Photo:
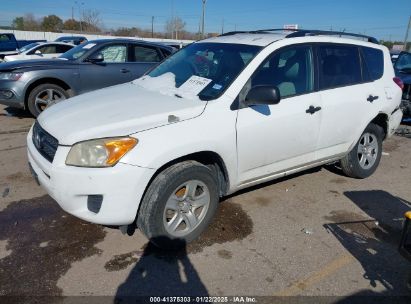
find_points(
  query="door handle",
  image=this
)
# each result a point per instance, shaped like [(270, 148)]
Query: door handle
[(125, 71), (372, 98), (311, 110)]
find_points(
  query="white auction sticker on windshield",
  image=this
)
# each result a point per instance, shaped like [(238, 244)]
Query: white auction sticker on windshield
[(89, 46), (194, 85)]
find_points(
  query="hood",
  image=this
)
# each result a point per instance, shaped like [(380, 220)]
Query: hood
[(12, 58), (115, 111), (36, 64)]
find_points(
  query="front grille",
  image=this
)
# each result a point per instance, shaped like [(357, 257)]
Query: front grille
[(44, 142)]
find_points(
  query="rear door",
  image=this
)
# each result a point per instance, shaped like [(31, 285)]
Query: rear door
[(115, 69), (348, 98), (142, 57)]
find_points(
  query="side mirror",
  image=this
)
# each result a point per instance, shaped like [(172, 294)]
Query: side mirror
[(96, 58), (38, 52), (263, 95)]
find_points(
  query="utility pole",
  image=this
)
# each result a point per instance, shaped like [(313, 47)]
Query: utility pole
[(152, 26), (203, 18), (406, 34), (72, 13), (79, 13)]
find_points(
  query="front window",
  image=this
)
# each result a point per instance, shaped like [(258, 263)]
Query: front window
[(201, 69), (290, 70), (114, 53)]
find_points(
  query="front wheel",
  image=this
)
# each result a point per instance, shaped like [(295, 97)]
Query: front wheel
[(43, 96), (178, 205), (363, 159)]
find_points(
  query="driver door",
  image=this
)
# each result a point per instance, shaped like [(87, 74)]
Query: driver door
[(275, 138)]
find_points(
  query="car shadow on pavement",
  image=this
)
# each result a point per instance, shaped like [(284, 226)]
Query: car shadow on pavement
[(161, 273), (14, 112), (373, 239)]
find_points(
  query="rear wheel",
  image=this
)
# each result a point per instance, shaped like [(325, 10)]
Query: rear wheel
[(178, 205), (43, 96), (365, 157)]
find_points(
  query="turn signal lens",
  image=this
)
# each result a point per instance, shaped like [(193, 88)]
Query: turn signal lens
[(118, 148)]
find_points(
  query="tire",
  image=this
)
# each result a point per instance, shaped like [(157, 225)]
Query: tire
[(364, 158), (173, 197), (43, 96)]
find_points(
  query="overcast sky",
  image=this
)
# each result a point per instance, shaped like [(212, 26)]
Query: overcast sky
[(381, 18)]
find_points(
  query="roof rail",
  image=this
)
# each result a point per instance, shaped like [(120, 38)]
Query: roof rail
[(303, 32), (237, 32)]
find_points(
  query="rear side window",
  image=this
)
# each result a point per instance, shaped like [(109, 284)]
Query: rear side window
[(4, 38), (373, 65), (146, 54), (63, 48), (339, 66)]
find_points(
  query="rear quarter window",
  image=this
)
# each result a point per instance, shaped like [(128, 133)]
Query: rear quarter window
[(373, 63)]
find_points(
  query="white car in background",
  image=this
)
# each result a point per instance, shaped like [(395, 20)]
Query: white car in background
[(40, 50)]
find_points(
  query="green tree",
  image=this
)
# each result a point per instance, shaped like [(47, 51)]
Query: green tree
[(18, 23), (71, 25), (52, 23)]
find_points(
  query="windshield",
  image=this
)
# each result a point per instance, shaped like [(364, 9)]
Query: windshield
[(77, 51), (403, 63), (28, 47), (202, 70)]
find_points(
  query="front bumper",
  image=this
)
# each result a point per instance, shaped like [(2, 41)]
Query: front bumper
[(15, 88), (121, 187)]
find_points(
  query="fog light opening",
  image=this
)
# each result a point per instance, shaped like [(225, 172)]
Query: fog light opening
[(94, 203)]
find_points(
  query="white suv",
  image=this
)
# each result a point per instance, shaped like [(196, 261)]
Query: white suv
[(220, 115)]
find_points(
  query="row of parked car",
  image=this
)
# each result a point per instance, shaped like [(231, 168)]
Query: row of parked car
[(30, 80)]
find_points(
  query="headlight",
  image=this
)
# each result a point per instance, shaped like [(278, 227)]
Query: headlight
[(104, 152), (10, 76)]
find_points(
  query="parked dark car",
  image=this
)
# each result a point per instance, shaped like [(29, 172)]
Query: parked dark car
[(76, 40), (36, 84), (9, 45), (402, 69)]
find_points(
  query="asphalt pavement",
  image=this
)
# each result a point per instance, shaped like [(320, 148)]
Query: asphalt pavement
[(317, 233)]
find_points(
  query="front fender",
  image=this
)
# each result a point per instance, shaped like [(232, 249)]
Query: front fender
[(159, 146)]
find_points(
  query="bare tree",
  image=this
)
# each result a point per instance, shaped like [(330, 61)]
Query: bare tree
[(91, 21), (174, 26), (31, 23)]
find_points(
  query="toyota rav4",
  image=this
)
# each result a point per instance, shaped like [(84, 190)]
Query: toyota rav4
[(220, 115)]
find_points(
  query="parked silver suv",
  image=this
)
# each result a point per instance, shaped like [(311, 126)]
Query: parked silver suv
[(36, 84)]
